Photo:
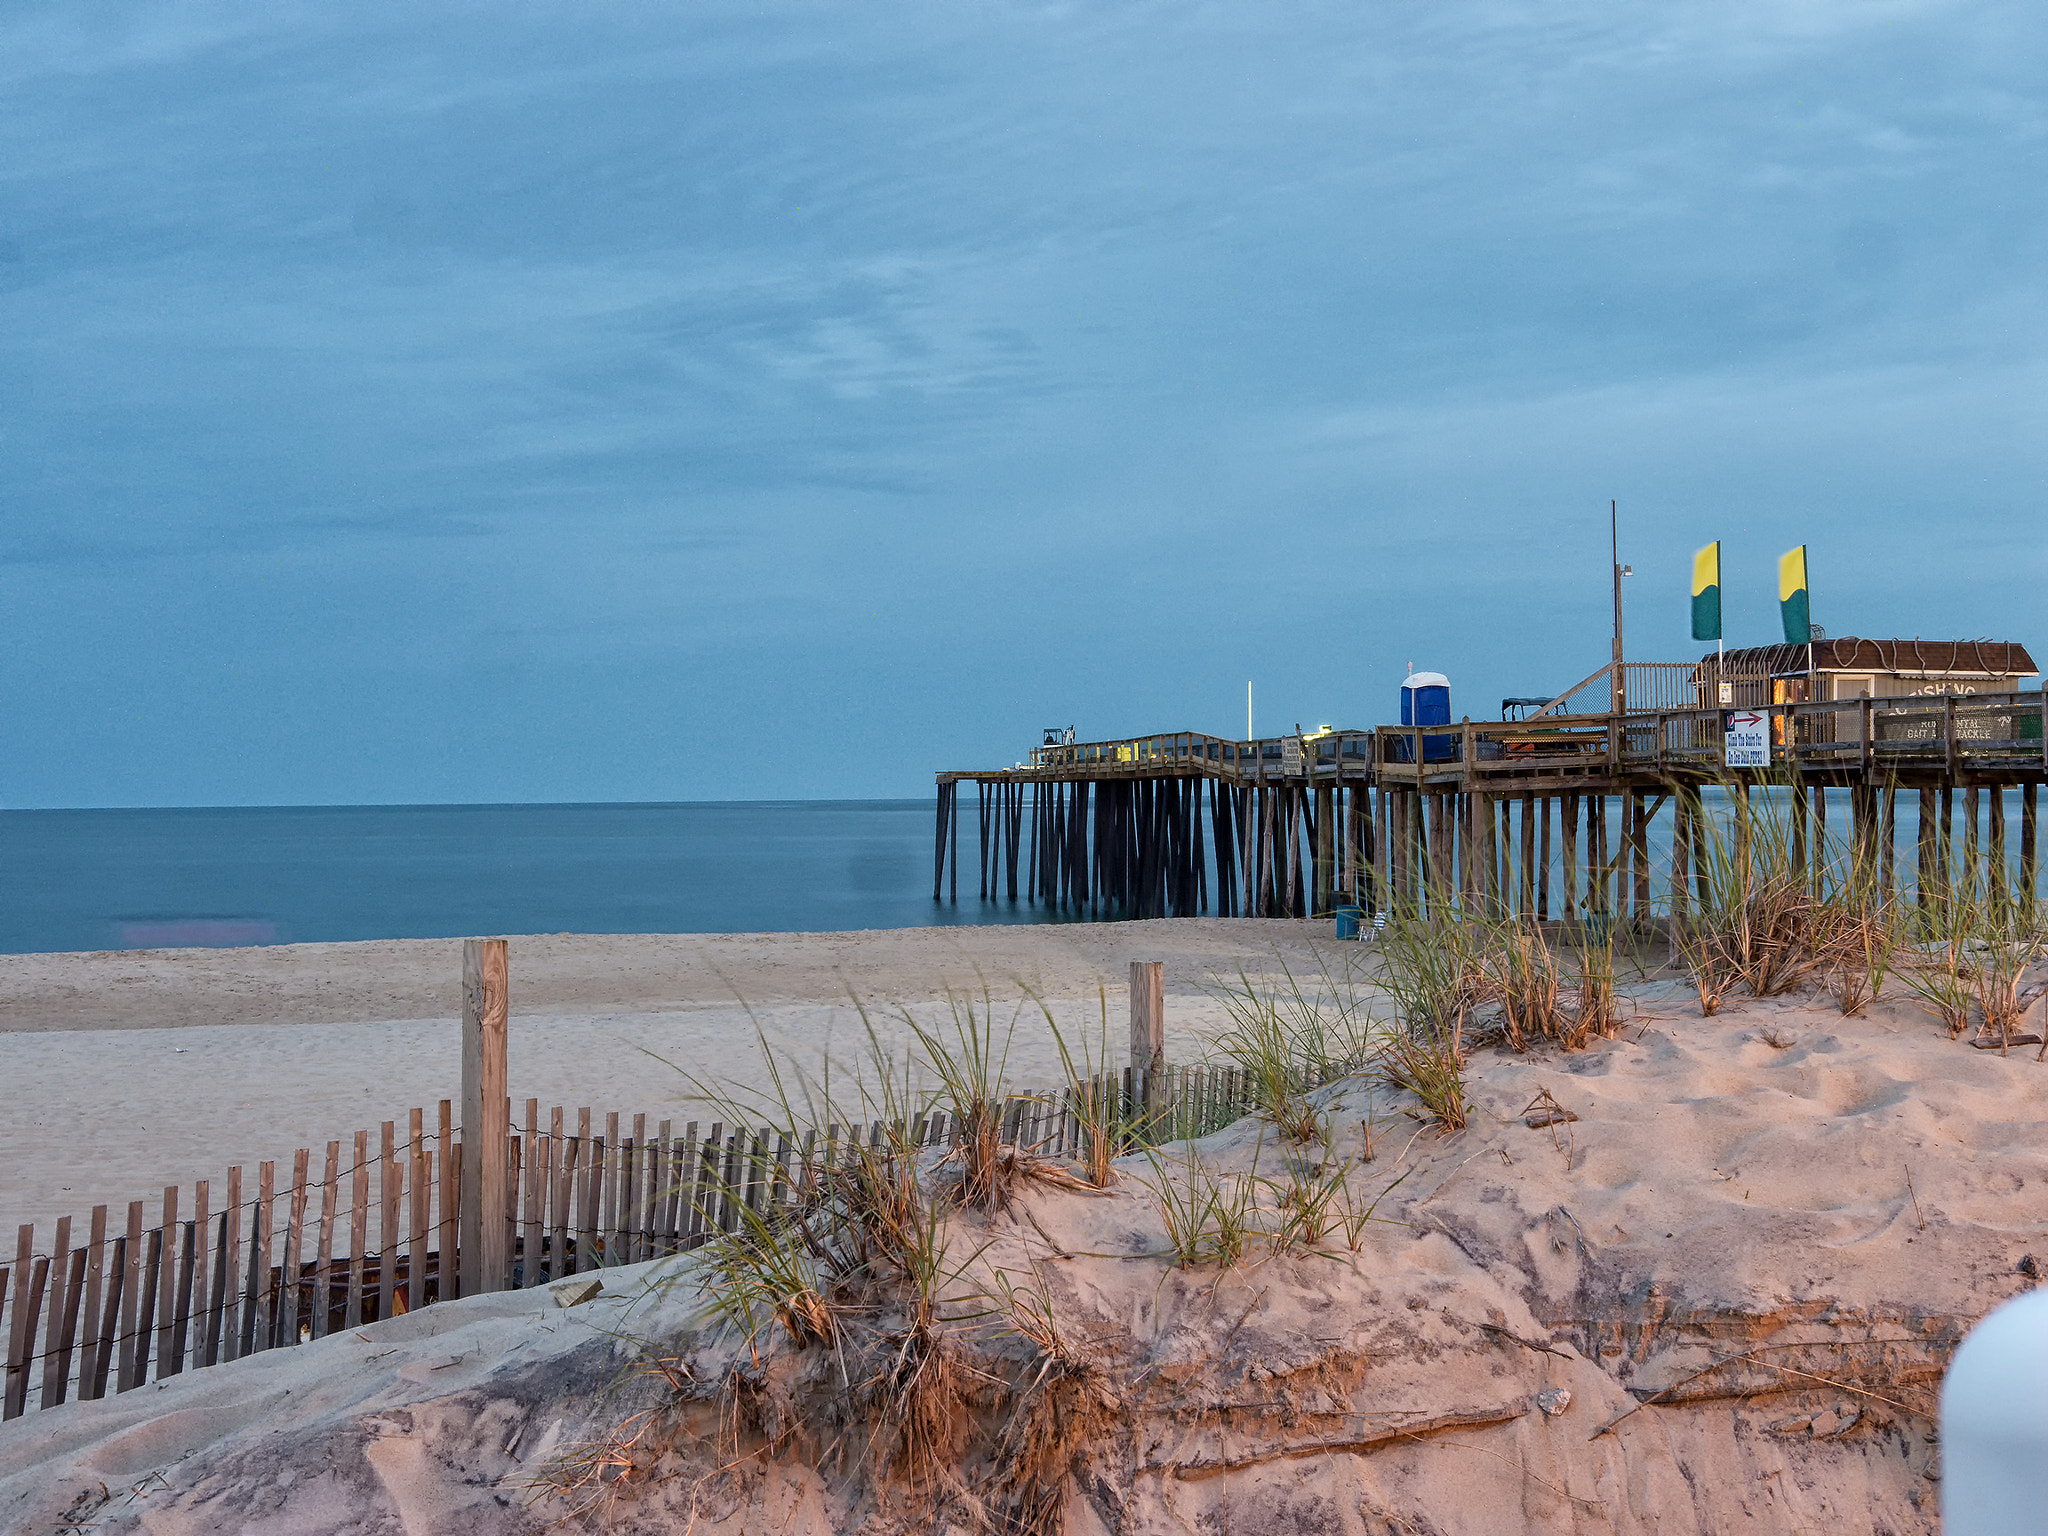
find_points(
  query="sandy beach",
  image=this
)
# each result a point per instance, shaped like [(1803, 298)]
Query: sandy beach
[(130, 1070), (1720, 1296)]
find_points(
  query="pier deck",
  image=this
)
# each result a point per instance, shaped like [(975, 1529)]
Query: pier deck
[(1296, 826)]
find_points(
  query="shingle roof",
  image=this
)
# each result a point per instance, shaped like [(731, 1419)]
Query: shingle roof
[(1988, 658)]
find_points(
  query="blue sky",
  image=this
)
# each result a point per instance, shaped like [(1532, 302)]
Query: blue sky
[(786, 400)]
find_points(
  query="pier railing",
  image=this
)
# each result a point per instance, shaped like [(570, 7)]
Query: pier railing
[(1210, 756), (1945, 734), (1645, 685)]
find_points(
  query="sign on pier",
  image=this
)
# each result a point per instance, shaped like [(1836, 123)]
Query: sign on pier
[(1749, 740)]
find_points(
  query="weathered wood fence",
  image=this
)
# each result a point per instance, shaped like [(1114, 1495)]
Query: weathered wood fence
[(370, 1229)]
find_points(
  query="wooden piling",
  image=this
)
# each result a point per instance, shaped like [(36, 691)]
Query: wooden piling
[(1997, 879), (1925, 872), (1568, 828), (483, 1256), (1967, 870), (2028, 882)]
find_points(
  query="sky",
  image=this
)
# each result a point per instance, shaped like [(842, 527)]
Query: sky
[(707, 401)]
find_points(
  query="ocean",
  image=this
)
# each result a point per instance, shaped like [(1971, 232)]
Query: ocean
[(147, 879), (153, 879)]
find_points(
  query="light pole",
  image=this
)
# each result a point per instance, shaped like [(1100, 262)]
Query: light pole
[(1619, 678)]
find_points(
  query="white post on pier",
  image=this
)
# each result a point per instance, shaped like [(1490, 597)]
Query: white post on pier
[(484, 1243)]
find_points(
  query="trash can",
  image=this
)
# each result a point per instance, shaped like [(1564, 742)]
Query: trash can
[(1347, 922)]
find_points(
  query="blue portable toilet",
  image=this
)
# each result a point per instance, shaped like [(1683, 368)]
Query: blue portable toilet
[(1426, 700)]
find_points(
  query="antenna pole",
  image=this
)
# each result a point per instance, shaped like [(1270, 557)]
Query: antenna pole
[(1248, 711)]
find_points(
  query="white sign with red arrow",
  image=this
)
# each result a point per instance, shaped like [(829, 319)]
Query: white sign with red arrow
[(1749, 740)]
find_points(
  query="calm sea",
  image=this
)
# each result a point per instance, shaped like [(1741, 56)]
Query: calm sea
[(136, 879), (152, 879)]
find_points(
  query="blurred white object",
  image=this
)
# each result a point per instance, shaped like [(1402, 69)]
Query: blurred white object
[(1994, 1424)]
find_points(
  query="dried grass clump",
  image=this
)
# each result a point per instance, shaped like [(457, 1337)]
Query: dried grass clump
[(1859, 936), (1217, 1217), (1524, 976), (1709, 960), (1774, 918), (2011, 945), (1309, 1203), (1453, 974), (1107, 1127), (861, 1333), (1593, 1013), (1210, 1217), (1436, 968), (1967, 958), (1941, 967), (1291, 1038), (970, 1070), (858, 1322), (1432, 1067), (1065, 1402)]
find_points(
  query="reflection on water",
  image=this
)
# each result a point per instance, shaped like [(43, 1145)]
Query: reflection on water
[(201, 932)]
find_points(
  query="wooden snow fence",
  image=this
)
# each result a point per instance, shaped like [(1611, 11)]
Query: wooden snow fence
[(367, 1229)]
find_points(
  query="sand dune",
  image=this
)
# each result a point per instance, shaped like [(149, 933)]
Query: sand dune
[(1747, 1261)]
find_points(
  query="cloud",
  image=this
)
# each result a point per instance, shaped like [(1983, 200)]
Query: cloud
[(1016, 358)]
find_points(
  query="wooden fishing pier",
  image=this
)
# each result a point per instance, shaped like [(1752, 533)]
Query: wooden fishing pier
[(1551, 816)]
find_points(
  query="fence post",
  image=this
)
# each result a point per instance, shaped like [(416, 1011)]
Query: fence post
[(483, 1242), (1148, 1033)]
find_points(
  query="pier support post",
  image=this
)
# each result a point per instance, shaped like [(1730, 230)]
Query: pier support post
[(1639, 859), (1325, 882), (1596, 863), (1681, 836), (1525, 887), (1742, 838), (1568, 827), (1443, 857), (1399, 849), (1702, 870), (1821, 852), (1995, 862), (1499, 872), (1966, 869), (2027, 880), (1887, 833), (484, 1242), (1924, 874), (1801, 809), (1945, 836)]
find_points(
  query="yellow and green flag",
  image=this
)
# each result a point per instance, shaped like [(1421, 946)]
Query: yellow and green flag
[(1792, 602), (1706, 593)]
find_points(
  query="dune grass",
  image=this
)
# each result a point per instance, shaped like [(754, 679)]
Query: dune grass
[(1292, 1036)]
